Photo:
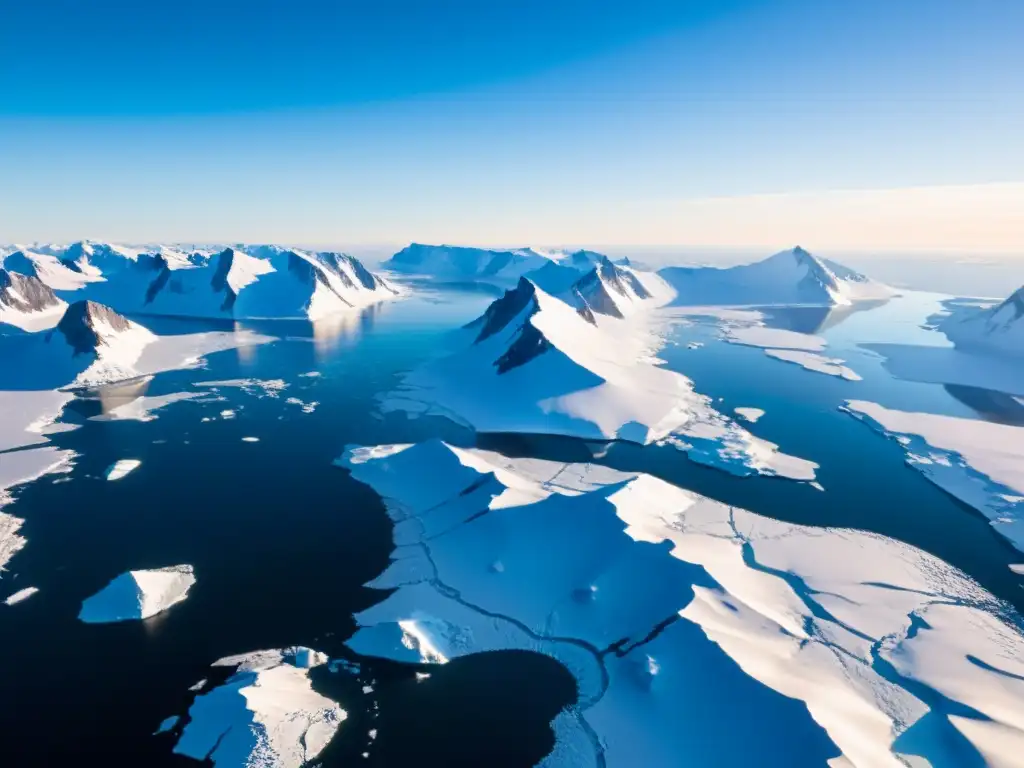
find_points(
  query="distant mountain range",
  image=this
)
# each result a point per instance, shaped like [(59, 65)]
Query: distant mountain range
[(239, 283), (794, 277)]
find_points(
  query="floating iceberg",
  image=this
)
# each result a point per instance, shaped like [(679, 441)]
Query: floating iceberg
[(122, 467), (21, 594), (138, 595)]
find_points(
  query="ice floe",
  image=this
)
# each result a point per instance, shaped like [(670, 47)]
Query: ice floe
[(138, 595), (812, 361), (265, 714), (896, 655), (748, 414), (979, 462), (790, 347), (21, 594), (121, 468)]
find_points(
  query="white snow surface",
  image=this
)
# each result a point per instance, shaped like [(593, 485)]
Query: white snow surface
[(887, 646), (266, 715), (793, 277), (979, 462), (537, 365), (138, 595)]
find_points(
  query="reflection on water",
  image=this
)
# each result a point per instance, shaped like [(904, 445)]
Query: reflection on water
[(989, 404), (813, 319)]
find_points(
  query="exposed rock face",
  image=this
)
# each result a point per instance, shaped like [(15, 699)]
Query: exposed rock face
[(219, 282), (24, 293), (593, 292), (82, 324), (501, 312), (530, 344)]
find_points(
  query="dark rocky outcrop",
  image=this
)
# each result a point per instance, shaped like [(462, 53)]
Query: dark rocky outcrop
[(80, 321), (25, 293)]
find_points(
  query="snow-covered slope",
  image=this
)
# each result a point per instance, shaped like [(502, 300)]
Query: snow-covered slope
[(800, 633), (998, 329), (27, 303), (533, 363), (138, 595), (793, 277), (52, 270), (450, 262), (266, 715)]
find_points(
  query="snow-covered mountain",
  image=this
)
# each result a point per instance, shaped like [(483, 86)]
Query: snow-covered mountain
[(536, 363), (27, 303), (285, 284), (98, 342), (793, 277), (450, 262), (997, 329), (609, 289), (261, 281)]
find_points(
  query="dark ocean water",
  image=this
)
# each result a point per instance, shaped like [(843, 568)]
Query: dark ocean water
[(282, 542)]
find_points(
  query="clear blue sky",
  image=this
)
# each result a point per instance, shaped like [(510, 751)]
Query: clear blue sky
[(499, 120)]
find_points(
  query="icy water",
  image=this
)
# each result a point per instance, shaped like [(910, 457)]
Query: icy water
[(281, 541)]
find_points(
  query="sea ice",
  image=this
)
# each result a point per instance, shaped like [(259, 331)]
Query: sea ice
[(891, 650), (979, 462)]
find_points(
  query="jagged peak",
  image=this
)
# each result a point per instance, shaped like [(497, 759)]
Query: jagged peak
[(25, 293), (503, 310), (87, 325)]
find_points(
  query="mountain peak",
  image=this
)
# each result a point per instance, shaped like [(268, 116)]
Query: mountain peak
[(502, 311), (25, 293), (87, 325)]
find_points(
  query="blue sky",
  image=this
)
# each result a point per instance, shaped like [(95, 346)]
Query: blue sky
[(742, 122)]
